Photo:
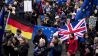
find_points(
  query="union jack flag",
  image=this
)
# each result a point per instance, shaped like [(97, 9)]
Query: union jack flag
[(77, 27)]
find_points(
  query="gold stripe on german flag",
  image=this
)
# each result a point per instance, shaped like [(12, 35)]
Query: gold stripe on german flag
[(16, 23)]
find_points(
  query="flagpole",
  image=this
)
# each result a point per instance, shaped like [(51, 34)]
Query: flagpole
[(6, 23), (7, 19)]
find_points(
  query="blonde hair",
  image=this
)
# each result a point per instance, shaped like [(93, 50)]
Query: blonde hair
[(42, 42), (96, 40)]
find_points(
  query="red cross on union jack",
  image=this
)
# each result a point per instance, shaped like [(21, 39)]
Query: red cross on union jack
[(78, 30)]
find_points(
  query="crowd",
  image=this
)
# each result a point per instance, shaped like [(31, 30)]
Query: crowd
[(15, 44), (52, 14), (87, 45)]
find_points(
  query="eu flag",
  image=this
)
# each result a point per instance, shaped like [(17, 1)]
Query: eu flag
[(86, 9), (47, 31), (2, 13), (95, 2), (61, 2), (9, 1), (38, 1), (2, 21)]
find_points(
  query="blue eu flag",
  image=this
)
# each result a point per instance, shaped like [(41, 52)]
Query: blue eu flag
[(61, 2), (2, 13), (95, 2), (9, 1), (47, 31), (86, 9)]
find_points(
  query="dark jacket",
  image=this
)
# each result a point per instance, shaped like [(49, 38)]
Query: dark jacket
[(88, 44), (38, 37), (13, 51), (57, 50), (40, 51), (23, 50)]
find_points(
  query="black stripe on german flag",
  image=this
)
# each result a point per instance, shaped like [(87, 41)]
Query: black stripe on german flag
[(15, 23)]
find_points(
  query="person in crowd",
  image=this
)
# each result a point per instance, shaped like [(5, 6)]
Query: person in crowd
[(73, 16), (14, 46), (96, 12), (56, 46), (9, 8), (92, 21), (1, 4), (91, 32), (57, 22), (96, 27), (41, 49), (96, 34), (81, 46), (96, 46), (47, 8), (35, 16), (18, 34), (17, 45), (23, 47), (46, 22), (13, 10), (37, 38), (88, 50), (6, 42), (76, 7), (72, 43)]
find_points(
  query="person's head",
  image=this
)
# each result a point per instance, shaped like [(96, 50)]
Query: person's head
[(96, 11), (23, 41), (10, 6), (18, 32), (71, 35), (14, 40), (13, 10), (56, 35), (97, 34), (57, 17), (12, 34), (8, 32), (86, 35), (42, 0), (76, 6), (47, 4), (39, 31), (58, 20), (90, 27), (15, 2), (96, 40), (55, 38), (46, 19), (42, 42)]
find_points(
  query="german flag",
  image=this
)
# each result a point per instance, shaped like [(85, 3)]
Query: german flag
[(14, 23)]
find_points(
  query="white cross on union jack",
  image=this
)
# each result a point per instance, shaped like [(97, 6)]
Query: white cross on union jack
[(78, 30)]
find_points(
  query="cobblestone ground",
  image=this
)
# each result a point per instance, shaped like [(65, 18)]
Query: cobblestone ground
[(32, 46)]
